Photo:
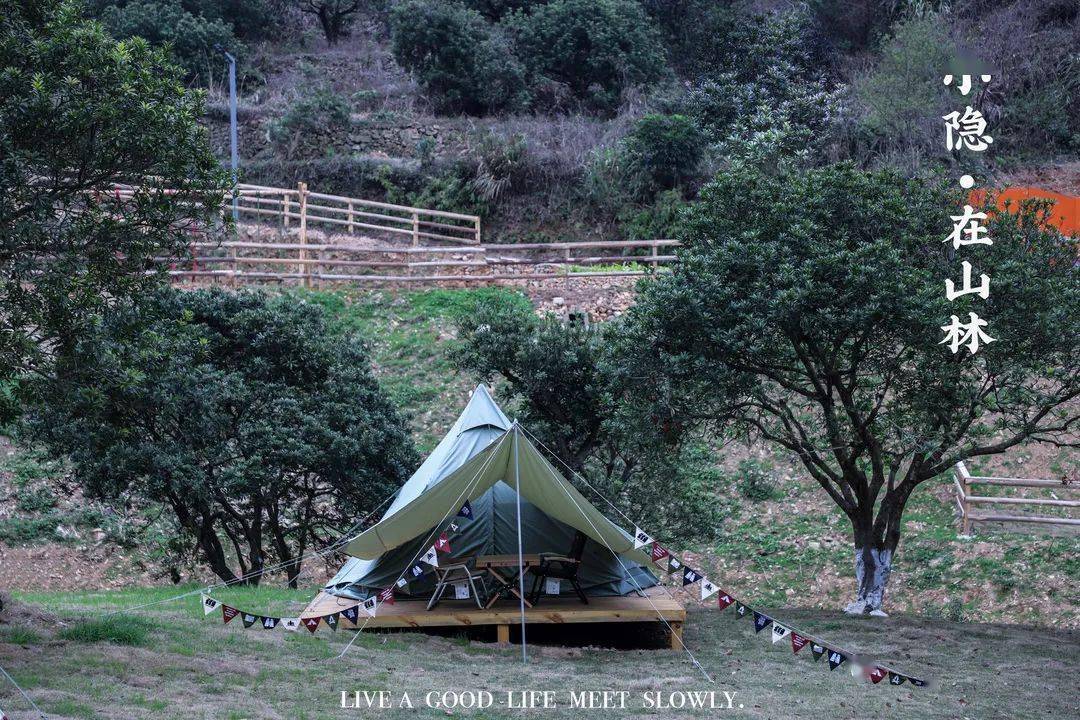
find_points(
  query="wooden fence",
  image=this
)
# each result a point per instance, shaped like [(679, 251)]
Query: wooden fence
[(393, 244), (309, 264), (963, 481), (297, 209)]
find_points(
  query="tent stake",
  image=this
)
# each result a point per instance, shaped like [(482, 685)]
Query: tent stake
[(521, 560)]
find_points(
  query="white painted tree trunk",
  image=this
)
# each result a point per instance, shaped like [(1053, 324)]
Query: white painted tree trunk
[(872, 570)]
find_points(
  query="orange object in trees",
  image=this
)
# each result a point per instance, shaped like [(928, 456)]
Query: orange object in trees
[(1065, 215)]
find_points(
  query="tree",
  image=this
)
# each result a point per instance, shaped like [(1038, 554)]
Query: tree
[(335, 16), (78, 111), (463, 60), (667, 149), (561, 381), (263, 431), (806, 311), (594, 48)]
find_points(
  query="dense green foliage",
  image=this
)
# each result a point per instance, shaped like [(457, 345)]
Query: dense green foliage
[(465, 62), (260, 428), (564, 392), (589, 50), (189, 38), (806, 310), (79, 111), (666, 149)]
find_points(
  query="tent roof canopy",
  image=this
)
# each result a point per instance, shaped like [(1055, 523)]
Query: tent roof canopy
[(513, 459)]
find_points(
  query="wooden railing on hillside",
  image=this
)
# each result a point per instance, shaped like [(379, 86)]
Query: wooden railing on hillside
[(393, 244), (963, 480), (236, 262), (297, 209)]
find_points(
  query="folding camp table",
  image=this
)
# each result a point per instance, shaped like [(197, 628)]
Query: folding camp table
[(452, 571), (505, 585)]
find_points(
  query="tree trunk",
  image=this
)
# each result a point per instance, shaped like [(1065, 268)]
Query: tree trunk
[(873, 565)]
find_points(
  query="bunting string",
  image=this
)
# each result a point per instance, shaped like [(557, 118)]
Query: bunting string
[(23, 693), (873, 671)]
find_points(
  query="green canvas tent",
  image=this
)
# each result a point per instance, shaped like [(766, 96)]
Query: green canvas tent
[(483, 459)]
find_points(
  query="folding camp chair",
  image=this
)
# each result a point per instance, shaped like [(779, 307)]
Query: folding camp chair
[(452, 572), (560, 567)]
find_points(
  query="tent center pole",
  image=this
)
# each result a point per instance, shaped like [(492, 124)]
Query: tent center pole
[(521, 559)]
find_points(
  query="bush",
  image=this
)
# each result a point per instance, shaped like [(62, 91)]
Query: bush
[(657, 221), (165, 22), (755, 481), (595, 48), (319, 112), (667, 149), (118, 630), (464, 61)]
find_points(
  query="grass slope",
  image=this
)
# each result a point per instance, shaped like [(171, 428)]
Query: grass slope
[(170, 661)]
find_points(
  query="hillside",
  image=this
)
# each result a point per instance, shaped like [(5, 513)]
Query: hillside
[(790, 549)]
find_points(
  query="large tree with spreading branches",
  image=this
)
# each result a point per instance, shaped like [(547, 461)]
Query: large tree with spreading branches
[(807, 310)]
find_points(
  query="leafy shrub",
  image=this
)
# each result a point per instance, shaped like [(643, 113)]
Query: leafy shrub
[(755, 481), (904, 98), (251, 19), (594, 48), (496, 9), (38, 500), (656, 221), (118, 630), (191, 37), (667, 149), (319, 112), (463, 60)]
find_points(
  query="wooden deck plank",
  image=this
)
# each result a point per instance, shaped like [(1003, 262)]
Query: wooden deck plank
[(550, 611)]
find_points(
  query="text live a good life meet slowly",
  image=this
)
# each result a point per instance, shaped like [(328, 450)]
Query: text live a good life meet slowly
[(541, 699)]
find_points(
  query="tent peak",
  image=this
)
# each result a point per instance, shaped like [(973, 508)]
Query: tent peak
[(482, 411)]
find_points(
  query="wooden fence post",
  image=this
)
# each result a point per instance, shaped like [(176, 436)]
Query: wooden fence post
[(350, 217), (286, 205), (305, 271), (235, 265), (477, 221), (965, 490), (415, 229)]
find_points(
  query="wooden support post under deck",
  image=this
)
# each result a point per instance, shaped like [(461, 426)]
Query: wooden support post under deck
[(502, 634), (676, 636)]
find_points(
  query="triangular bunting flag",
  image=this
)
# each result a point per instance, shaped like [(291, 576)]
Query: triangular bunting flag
[(351, 614), (836, 658), (916, 682), (724, 600), (453, 527), (416, 571), (402, 582), (228, 613), (708, 589), (331, 621), (312, 624), (290, 624), (370, 605), (442, 544), (876, 674), (741, 609), (466, 511), (674, 564), (761, 621), (857, 670), (270, 623), (690, 576), (209, 604), (779, 632), (249, 619), (659, 552), (431, 557), (641, 538), (896, 679), (387, 595), (798, 642), (817, 650)]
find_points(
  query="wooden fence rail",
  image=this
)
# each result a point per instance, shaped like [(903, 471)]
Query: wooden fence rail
[(299, 208), (395, 244), (963, 480)]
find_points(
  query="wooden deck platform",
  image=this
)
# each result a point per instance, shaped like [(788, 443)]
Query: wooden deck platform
[(550, 611)]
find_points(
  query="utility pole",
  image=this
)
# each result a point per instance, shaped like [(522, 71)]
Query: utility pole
[(234, 157)]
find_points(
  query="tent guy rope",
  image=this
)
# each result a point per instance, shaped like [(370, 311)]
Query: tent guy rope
[(23, 693)]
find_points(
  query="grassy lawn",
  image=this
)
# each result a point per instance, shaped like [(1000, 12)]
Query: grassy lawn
[(169, 661)]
